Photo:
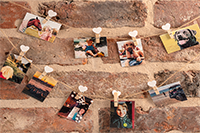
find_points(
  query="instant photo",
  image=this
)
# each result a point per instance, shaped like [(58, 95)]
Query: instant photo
[(87, 47), (39, 88), (32, 25), (182, 38), (75, 107), (130, 54), (14, 69), (123, 115), (171, 93)]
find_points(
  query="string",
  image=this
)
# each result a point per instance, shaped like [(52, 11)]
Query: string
[(118, 38)]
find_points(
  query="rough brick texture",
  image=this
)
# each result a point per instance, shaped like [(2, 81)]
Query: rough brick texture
[(9, 13), (95, 14), (40, 120), (99, 83), (11, 90), (190, 80), (156, 120), (176, 13)]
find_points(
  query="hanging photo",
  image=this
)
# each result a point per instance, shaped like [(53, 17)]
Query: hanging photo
[(39, 88), (130, 54), (171, 93), (87, 47), (182, 38), (32, 25), (14, 69), (122, 116), (75, 107)]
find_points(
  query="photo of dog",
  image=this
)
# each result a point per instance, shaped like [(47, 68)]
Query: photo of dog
[(185, 38), (32, 25), (171, 93), (182, 38), (130, 54)]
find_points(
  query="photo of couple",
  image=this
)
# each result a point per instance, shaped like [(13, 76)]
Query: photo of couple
[(130, 54), (32, 25)]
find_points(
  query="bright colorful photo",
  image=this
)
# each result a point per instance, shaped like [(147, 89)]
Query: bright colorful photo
[(32, 25), (130, 54), (87, 47)]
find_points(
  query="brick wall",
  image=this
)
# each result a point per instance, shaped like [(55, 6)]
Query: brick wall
[(21, 113)]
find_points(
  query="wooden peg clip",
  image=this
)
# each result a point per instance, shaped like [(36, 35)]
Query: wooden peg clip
[(133, 34), (116, 94), (47, 69), (153, 85), (167, 28), (97, 32), (24, 49), (51, 14)]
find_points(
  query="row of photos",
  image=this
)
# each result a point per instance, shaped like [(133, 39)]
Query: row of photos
[(77, 105)]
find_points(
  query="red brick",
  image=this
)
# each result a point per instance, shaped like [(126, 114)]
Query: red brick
[(10, 13), (99, 83), (176, 13), (41, 120), (158, 120), (95, 14), (11, 90)]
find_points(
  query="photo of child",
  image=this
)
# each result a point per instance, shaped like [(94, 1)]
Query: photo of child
[(32, 25), (87, 47), (169, 94), (130, 54), (14, 69), (182, 38), (75, 107), (122, 116)]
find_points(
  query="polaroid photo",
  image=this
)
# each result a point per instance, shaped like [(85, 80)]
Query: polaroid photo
[(14, 69), (32, 25), (123, 115), (75, 107), (39, 88), (171, 93), (183, 38), (130, 54), (87, 47)]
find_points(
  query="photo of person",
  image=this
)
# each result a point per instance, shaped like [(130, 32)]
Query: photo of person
[(87, 47), (39, 88), (130, 54), (14, 69), (122, 116), (182, 38), (32, 25), (75, 107), (169, 94)]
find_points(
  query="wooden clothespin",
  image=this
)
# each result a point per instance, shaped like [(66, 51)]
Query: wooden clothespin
[(51, 14), (153, 85), (167, 28), (133, 34), (47, 69), (81, 89), (116, 94), (97, 32), (24, 49)]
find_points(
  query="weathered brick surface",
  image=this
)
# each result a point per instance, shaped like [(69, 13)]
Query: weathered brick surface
[(95, 14), (11, 90), (190, 80), (156, 120), (155, 51), (176, 13), (9, 13), (6, 47), (99, 83), (40, 120)]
